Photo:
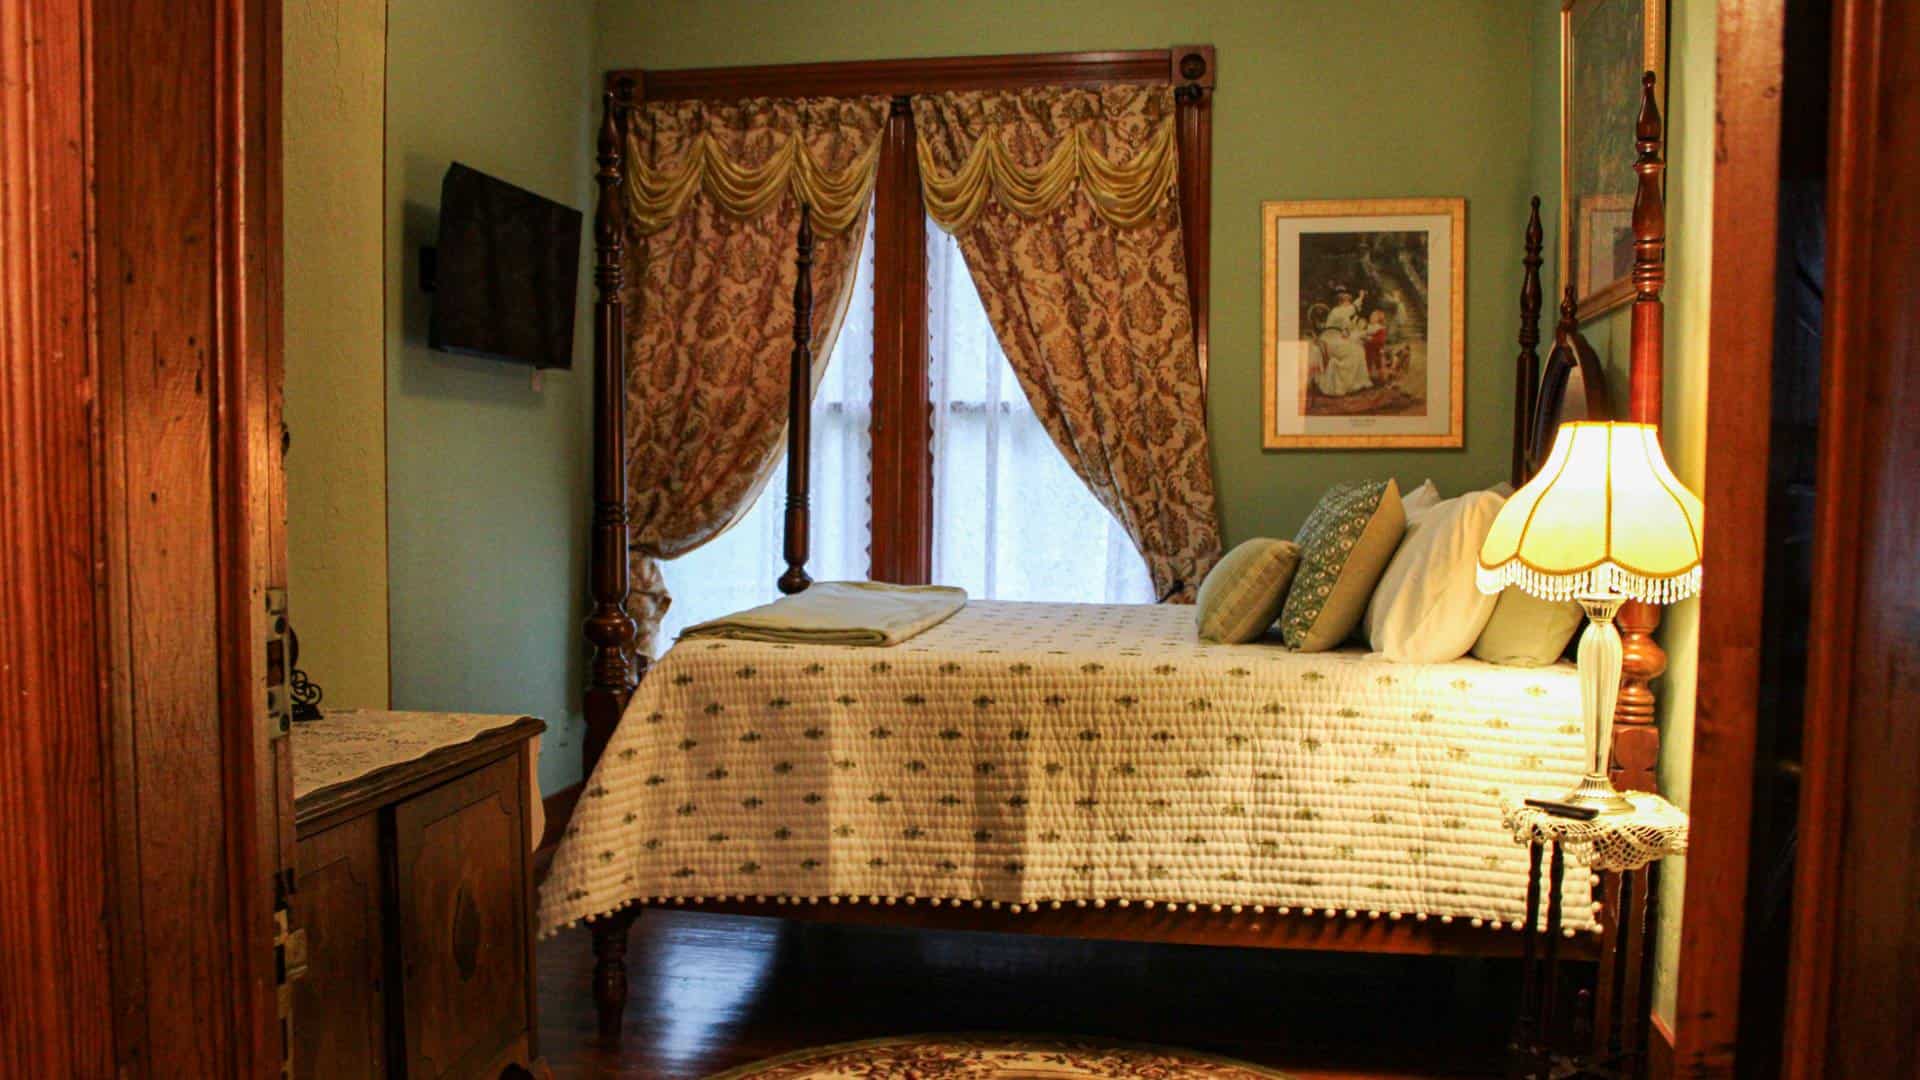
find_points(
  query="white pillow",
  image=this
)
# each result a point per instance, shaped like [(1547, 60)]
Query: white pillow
[(1419, 501), (1427, 608)]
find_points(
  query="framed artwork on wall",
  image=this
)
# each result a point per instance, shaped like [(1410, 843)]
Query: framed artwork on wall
[(1605, 46), (1364, 326)]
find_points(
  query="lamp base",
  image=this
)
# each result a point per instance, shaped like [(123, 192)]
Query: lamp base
[(1595, 790)]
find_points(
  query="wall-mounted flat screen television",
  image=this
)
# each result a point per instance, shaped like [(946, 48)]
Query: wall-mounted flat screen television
[(505, 272)]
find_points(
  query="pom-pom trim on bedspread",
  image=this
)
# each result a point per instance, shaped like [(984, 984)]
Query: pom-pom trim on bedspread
[(1120, 903)]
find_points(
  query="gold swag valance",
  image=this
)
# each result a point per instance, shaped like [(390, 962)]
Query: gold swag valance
[(1074, 137), (826, 152), (745, 155)]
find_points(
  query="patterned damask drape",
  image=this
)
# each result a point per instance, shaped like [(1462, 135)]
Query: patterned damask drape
[(1064, 204), (714, 208)]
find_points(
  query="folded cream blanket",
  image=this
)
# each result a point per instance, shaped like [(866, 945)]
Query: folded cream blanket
[(840, 613)]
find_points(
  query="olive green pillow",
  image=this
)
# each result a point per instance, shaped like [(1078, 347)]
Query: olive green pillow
[(1526, 631), (1244, 590), (1344, 548)]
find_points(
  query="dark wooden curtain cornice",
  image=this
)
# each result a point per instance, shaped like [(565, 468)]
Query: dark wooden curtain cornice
[(902, 426), (1180, 66)]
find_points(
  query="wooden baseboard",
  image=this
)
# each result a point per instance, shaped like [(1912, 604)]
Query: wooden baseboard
[(559, 810), (1659, 1050)]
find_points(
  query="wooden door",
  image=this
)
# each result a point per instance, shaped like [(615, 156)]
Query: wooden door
[(141, 523)]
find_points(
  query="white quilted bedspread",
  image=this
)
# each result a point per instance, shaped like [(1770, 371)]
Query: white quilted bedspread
[(1036, 752)]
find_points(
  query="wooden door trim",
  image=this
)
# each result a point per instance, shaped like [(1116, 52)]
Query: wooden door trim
[(1750, 55), (249, 505), (58, 988), (1855, 872)]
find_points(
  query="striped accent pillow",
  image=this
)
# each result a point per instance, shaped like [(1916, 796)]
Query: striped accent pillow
[(1242, 594)]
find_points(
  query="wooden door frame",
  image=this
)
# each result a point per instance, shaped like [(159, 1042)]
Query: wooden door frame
[(54, 972), (1851, 1008), (1749, 55), (139, 408), (1847, 1009)]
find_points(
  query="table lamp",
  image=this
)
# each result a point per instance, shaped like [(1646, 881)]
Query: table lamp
[(1604, 521)]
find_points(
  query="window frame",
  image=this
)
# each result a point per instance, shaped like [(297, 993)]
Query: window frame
[(901, 465)]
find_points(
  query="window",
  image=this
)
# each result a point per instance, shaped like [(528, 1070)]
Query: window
[(928, 461), (737, 569), (1011, 521)]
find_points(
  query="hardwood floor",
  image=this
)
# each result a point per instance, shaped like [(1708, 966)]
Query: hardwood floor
[(710, 992)]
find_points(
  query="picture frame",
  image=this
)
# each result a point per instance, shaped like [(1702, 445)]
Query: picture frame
[(1605, 47), (1364, 323)]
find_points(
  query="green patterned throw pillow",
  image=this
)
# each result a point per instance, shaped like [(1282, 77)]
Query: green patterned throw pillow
[(1244, 590), (1344, 548)]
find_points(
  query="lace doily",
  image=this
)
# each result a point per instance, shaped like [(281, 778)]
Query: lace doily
[(1655, 829)]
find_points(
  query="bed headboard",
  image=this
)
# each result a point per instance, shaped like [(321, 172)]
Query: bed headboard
[(1572, 385)]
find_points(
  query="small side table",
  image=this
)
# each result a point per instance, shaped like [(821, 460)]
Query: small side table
[(1620, 844)]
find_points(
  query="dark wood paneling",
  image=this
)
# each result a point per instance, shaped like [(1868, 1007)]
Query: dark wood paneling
[(54, 974), (1853, 1005), (1739, 358), (460, 853), (887, 78), (340, 1008)]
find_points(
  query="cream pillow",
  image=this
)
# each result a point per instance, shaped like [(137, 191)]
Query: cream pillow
[(1427, 608), (1243, 592), (1419, 501), (1344, 545), (1526, 631)]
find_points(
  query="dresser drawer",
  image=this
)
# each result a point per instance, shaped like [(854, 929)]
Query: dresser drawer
[(465, 952)]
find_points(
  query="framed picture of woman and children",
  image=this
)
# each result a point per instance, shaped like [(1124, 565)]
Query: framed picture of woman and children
[(1365, 342)]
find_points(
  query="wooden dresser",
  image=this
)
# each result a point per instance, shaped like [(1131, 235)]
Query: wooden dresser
[(414, 886)]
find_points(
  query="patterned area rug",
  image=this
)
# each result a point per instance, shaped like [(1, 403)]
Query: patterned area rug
[(996, 1057)]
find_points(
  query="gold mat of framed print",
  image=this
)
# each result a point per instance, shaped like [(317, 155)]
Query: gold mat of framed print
[(1364, 323)]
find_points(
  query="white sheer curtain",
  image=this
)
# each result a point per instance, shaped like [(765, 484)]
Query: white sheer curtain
[(737, 569), (1011, 521)]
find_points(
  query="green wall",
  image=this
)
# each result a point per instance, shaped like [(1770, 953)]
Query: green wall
[(1690, 124), (334, 189), (1321, 99), (487, 469)]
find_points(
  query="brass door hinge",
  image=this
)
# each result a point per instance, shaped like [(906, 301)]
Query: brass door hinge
[(279, 666), (290, 966)]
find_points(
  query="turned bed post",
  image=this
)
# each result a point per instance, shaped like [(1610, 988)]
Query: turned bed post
[(1526, 368), (610, 630), (1636, 740), (1625, 983), (799, 410)]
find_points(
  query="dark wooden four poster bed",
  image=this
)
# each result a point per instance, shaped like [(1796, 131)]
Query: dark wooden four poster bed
[(1541, 393)]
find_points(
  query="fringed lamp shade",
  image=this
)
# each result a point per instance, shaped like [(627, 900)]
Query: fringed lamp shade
[(1603, 516)]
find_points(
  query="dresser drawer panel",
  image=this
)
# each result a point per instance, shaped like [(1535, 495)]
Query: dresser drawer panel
[(459, 854), (339, 1008)]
